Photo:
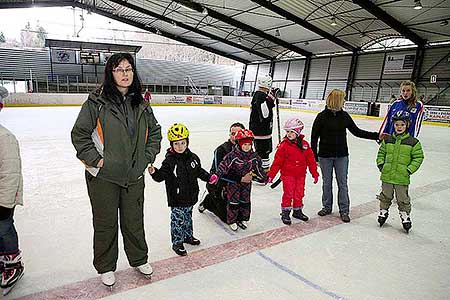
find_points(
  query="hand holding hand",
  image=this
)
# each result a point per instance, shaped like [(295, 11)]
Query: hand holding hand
[(316, 179), (383, 136), (151, 169), (213, 179), (100, 163)]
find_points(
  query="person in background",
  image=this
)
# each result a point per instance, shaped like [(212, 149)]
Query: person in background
[(261, 120), (180, 170), (400, 155), (330, 132), (11, 195), (293, 157), (408, 102), (147, 96), (215, 201), (116, 136)]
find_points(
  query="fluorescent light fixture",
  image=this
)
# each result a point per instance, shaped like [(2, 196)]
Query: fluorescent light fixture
[(205, 11), (333, 21), (277, 32), (417, 4)]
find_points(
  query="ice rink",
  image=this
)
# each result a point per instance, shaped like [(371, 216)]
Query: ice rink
[(320, 259)]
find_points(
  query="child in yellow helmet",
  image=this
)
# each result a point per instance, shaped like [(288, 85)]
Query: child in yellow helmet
[(180, 170)]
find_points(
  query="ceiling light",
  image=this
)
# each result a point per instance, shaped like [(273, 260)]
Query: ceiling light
[(205, 11), (277, 32), (444, 23), (158, 32), (239, 41), (174, 25), (417, 4), (306, 43), (333, 21)]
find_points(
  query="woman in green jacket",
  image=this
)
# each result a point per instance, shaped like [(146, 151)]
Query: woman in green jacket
[(116, 136), (399, 156)]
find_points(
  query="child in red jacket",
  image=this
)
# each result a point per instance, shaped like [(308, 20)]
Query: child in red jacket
[(292, 157)]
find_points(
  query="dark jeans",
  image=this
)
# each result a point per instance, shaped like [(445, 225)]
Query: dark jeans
[(340, 166), (9, 243)]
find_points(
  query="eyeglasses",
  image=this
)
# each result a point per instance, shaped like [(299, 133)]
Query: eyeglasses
[(123, 71)]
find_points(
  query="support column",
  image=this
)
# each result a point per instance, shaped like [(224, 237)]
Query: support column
[(305, 77), (351, 75), (326, 78), (241, 83), (415, 76)]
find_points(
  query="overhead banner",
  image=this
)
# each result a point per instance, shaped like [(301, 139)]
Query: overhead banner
[(64, 56), (399, 63)]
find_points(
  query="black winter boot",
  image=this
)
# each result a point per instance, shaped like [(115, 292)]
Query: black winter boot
[(179, 249), (285, 216), (298, 214)]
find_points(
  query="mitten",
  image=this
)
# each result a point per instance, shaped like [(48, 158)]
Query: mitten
[(213, 179)]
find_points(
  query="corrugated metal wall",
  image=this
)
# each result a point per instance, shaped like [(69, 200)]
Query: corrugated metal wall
[(17, 63)]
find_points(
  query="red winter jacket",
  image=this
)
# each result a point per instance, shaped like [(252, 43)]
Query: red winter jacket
[(292, 161)]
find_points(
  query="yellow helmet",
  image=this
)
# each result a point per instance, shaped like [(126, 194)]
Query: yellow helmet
[(177, 132)]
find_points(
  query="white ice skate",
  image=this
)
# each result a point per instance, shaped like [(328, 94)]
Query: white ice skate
[(108, 279), (146, 270)]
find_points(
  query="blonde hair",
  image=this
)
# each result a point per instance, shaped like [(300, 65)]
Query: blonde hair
[(413, 99), (335, 99)]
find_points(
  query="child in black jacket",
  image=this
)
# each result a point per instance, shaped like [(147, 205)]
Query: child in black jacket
[(180, 170)]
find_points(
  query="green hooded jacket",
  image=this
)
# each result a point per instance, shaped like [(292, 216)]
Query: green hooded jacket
[(127, 139), (399, 156)]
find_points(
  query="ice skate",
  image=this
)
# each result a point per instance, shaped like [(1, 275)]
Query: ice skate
[(146, 270), (382, 217), (192, 241), (13, 270), (201, 207), (179, 249), (233, 227), (298, 214), (285, 218), (108, 279), (406, 221), (242, 224)]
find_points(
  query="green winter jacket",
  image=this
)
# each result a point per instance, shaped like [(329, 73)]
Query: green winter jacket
[(127, 139), (399, 156)]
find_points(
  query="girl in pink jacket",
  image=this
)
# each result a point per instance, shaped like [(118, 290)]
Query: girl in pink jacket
[(293, 156)]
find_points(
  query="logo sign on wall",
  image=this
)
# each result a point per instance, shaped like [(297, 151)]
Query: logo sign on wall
[(356, 108), (437, 114), (399, 63), (64, 56)]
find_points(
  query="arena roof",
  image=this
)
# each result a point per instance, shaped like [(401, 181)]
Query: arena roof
[(258, 30), (82, 45)]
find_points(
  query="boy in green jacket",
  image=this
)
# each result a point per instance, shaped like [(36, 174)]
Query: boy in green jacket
[(399, 156)]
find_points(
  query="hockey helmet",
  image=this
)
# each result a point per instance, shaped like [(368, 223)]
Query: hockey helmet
[(294, 124), (177, 132), (265, 82)]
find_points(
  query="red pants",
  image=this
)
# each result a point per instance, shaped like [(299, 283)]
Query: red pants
[(293, 191)]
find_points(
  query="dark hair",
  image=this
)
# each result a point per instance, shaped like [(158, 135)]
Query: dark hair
[(109, 88), (237, 124)]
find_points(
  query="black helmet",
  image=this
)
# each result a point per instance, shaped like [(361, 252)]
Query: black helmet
[(402, 115)]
